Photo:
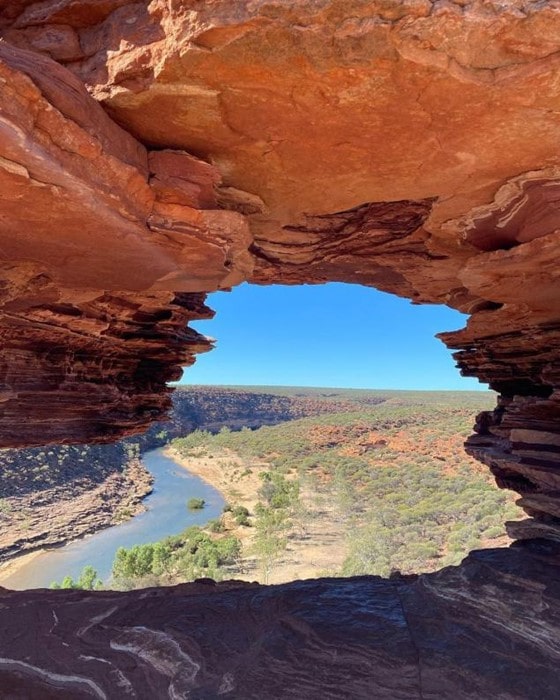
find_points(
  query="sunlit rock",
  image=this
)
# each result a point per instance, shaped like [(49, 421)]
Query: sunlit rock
[(151, 152)]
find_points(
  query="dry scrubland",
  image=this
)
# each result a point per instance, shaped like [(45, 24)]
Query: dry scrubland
[(378, 487)]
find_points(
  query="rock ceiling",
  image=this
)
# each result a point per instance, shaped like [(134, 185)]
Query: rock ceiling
[(154, 151), (151, 152)]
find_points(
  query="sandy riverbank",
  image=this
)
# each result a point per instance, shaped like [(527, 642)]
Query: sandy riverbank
[(12, 566), (224, 472), (320, 552)]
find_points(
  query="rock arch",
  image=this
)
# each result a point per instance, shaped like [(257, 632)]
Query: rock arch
[(151, 152)]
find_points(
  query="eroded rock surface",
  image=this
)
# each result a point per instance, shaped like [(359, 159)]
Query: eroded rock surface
[(155, 150), (410, 146), (475, 631), (106, 251), (54, 495), (151, 152)]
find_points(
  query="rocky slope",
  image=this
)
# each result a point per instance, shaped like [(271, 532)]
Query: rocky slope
[(54, 495), (211, 407)]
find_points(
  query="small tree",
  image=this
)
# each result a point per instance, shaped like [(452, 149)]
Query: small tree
[(87, 581), (269, 543), (241, 515)]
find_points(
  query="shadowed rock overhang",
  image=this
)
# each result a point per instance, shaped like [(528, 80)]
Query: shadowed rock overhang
[(151, 152)]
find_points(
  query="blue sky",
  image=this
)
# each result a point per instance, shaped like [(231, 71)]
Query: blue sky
[(332, 335)]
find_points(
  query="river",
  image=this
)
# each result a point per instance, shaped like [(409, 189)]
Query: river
[(166, 514)]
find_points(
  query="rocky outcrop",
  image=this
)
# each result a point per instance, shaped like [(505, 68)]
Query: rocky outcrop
[(429, 184), (407, 637), (151, 152), (408, 146), (100, 271), (520, 440)]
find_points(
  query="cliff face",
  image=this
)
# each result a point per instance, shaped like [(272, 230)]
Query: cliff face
[(55, 494), (154, 151), (99, 276)]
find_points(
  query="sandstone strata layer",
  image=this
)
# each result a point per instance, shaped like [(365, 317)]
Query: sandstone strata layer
[(155, 151), (101, 272), (487, 629)]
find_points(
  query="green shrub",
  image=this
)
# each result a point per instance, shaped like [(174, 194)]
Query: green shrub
[(190, 555), (196, 503), (241, 515), (87, 581), (215, 525), (492, 532)]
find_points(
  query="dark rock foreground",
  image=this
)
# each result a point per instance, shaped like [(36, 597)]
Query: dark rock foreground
[(486, 629)]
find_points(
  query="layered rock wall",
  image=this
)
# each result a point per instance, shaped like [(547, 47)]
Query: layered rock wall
[(485, 630), (155, 151), (106, 253)]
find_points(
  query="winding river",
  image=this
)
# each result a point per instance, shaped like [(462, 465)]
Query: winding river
[(166, 514)]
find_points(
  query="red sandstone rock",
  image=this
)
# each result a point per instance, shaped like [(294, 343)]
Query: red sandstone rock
[(320, 108), (79, 217), (409, 146), (178, 178), (59, 41), (75, 173), (412, 146)]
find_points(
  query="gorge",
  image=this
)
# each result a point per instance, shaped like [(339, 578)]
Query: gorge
[(166, 514), (154, 151), (55, 494)]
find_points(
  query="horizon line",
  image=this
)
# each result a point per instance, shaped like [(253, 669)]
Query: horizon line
[(180, 384)]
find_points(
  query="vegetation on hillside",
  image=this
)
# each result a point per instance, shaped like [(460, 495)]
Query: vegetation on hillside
[(387, 468), (406, 494)]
